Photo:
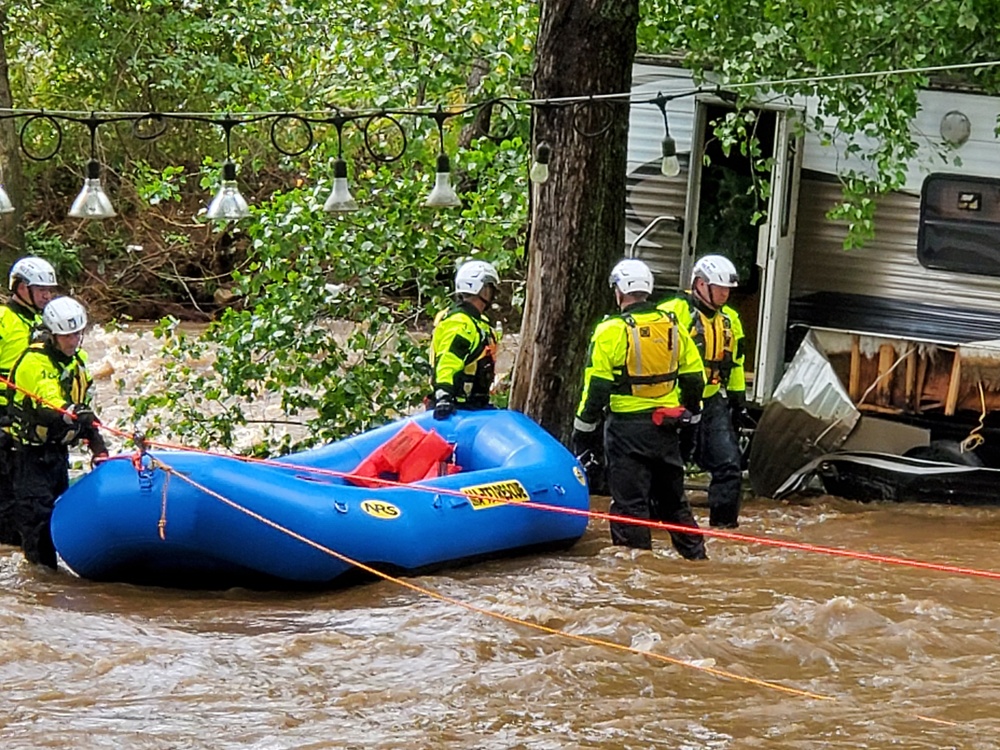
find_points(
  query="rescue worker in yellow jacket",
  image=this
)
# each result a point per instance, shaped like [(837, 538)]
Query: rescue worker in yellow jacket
[(32, 284), (643, 379), (51, 410), (718, 332), (464, 344)]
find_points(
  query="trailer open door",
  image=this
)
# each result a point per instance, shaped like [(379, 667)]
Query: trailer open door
[(776, 242)]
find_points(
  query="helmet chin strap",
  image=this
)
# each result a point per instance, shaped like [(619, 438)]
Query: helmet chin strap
[(30, 301), (710, 300)]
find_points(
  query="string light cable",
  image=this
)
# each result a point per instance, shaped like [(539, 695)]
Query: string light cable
[(229, 204)]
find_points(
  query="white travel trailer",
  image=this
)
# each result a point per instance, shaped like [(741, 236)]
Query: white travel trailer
[(904, 324)]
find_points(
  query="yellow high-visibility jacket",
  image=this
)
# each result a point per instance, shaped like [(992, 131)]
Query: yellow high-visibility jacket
[(720, 341), (463, 354), (638, 361), (17, 324), (54, 381)]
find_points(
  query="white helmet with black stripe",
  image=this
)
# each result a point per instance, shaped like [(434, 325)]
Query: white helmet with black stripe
[(631, 276), (64, 315), (473, 275), (716, 270), (33, 272)]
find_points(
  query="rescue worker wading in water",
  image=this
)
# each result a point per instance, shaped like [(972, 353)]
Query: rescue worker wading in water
[(464, 344), (644, 370), (718, 333), (32, 284), (54, 417)]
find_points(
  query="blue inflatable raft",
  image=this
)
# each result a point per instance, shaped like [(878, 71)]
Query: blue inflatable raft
[(170, 524)]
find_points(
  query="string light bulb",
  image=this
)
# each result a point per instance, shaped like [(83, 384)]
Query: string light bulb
[(92, 202), (6, 206), (669, 165), (340, 200), (228, 203), (443, 195), (539, 172)]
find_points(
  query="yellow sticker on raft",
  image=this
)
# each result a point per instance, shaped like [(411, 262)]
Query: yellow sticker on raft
[(497, 493), (381, 509)]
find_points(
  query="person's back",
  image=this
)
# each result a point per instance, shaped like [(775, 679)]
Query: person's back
[(643, 378)]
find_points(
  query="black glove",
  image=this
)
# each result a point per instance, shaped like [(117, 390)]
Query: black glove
[(444, 407), (689, 418), (98, 448), (583, 443), (80, 414)]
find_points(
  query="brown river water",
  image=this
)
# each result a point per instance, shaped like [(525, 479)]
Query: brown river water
[(883, 655)]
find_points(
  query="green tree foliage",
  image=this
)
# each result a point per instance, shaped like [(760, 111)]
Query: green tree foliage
[(745, 41), (328, 311)]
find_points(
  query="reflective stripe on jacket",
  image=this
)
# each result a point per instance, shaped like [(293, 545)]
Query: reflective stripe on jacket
[(55, 381), (608, 381), (719, 339), (463, 353)]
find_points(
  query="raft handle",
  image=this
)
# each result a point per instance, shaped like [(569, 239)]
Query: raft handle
[(340, 506)]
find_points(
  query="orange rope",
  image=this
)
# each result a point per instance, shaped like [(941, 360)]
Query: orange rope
[(661, 525), (482, 610), (611, 517)]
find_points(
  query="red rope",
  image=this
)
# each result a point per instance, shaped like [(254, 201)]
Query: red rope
[(611, 517)]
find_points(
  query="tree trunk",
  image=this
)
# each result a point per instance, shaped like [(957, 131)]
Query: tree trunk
[(585, 47), (11, 173)]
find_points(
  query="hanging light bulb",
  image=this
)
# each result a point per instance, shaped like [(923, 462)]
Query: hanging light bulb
[(6, 206), (539, 172), (443, 195), (92, 202), (669, 165), (340, 200), (228, 204)]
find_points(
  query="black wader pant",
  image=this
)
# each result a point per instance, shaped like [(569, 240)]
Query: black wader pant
[(41, 474), (8, 504), (718, 453), (646, 476)]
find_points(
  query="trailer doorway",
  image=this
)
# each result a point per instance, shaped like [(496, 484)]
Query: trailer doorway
[(724, 194)]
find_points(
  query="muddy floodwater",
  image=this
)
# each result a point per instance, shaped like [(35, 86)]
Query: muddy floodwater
[(871, 654)]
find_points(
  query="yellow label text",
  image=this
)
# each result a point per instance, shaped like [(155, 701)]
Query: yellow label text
[(497, 493)]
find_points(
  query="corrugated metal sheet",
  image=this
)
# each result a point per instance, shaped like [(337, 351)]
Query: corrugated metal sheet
[(650, 195), (886, 266)]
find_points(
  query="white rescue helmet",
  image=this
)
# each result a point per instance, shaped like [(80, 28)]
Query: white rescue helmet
[(716, 270), (33, 272), (631, 276), (64, 315), (473, 275)]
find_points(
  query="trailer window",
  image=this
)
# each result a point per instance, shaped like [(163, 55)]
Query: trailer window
[(960, 224)]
